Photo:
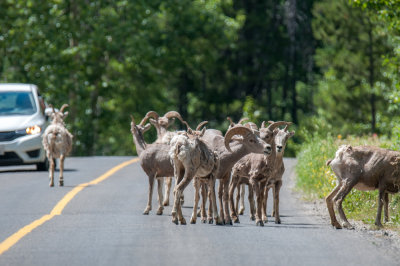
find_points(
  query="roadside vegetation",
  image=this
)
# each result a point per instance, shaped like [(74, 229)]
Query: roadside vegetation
[(316, 180)]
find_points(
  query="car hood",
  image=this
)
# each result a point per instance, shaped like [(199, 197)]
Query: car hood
[(17, 122)]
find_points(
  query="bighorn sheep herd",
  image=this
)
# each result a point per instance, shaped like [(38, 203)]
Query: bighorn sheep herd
[(246, 155), (205, 156)]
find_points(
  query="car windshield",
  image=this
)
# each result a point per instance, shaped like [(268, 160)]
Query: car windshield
[(17, 103)]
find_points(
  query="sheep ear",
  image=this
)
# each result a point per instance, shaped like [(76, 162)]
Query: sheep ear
[(153, 121), (65, 114), (202, 131), (291, 134), (146, 127)]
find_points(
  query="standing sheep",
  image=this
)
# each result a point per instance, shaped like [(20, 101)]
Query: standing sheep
[(364, 168), (57, 142)]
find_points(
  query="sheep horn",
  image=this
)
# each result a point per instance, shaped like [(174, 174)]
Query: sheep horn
[(201, 125), (251, 125), (274, 125), (187, 126), (149, 114), (172, 114), (242, 120), (237, 130), (263, 124), (230, 121), (133, 120), (52, 107), (63, 107)]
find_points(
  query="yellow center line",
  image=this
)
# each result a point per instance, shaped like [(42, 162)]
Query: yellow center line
[(57, 210)]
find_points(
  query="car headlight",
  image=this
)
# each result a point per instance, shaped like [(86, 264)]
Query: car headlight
[(29, 130), (33, 130)]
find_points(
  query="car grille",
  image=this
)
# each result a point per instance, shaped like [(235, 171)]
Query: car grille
[(8, 136), (34, 153), (10, 158)]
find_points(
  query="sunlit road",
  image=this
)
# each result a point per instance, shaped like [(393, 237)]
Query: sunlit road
[(102, 224)]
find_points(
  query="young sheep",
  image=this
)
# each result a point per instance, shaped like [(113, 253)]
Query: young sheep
[(257, 169), (192, 158), (275, 180), (364, 168), (57, 142)]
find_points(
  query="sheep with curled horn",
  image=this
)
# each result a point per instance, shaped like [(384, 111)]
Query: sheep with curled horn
[(161, 123), (256, 169), (193, 159), (57, 142)]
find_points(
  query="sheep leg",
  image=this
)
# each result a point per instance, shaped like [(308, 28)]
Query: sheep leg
[(51, 172), (196, 186), (338, 199), (225, 198), (252, 203), (204, 202), (202, 196), (234, 183), (386, 207), (61, 180), (265, 190), (160, 182), (380, 205), (177, 209), (150, 195), (213, 201), (258, 192), (220, 193), (329, 204), (275, 190), (210, 207), (168, 183)]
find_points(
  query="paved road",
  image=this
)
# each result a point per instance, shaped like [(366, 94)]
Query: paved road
[(103, 225)]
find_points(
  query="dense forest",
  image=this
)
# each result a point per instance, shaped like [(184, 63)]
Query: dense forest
[(330, 67)]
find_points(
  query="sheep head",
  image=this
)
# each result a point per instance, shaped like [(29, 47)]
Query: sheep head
[(196, 133), (138, 129), (250, 139), (268, 133), (282, 137), (57, 117)]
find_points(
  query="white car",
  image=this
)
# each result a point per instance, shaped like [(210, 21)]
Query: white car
[(22, 123)]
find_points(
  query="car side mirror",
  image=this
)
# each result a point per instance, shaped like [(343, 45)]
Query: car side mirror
[(47, 112)]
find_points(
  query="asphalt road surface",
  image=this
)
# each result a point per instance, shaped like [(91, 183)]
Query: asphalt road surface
[(101, 223)]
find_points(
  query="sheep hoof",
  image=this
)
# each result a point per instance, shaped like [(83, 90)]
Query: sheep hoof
[(192, 221), (236, 220), (166, 203), (160, 211), (259, 223), (252, 218), (175, 221), (203, 220), (278, 221), (61, 183), (348, 226), (51, 185), (219, 221), (377, 224), (183, 221), (241, 211), (146, 211), (210, 220), (336, 225), (229, 222)]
